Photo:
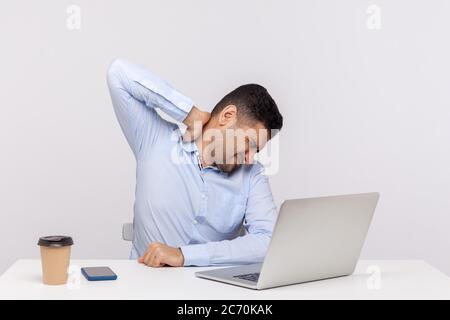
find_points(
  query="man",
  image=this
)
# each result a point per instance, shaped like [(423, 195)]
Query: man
[(195, 192)]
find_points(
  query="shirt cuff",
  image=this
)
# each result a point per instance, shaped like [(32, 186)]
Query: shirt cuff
[(195, 255), (179, 105), (183, 107)]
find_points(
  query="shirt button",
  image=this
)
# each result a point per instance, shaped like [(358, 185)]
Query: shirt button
[(195, 222), (203, 196)]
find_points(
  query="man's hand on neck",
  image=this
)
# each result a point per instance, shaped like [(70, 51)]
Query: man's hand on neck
[(195, 121)]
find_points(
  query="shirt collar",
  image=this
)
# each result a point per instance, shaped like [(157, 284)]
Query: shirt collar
[(191, 147), (187, 146)]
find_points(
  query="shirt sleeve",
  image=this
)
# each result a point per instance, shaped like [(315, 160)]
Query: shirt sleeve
[(260, 218), (135, 93)]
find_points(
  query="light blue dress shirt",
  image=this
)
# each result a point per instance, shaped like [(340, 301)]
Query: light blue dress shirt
[(177, 202)]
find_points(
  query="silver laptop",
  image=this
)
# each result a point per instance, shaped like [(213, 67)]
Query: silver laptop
[(313, 239)]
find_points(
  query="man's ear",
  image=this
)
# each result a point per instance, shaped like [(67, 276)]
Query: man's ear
[(228, 116)]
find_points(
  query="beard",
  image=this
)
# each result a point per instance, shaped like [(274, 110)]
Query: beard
[(227, 168), (232, 165)]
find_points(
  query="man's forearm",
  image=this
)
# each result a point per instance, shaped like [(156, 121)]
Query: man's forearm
[(141, 84), (250, 248)]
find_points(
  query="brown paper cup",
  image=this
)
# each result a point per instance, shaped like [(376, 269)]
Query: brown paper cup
[(55, 258)]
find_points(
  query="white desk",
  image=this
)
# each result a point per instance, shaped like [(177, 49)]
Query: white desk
[(397, 280)]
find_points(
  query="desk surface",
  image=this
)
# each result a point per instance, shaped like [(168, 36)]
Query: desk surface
[(376, 279)]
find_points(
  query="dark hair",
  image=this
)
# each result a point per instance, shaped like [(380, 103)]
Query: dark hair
[(253, 102)]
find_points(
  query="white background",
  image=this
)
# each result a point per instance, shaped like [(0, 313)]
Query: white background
[(365, 110)]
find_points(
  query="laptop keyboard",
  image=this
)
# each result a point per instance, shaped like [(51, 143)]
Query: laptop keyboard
[(253, 277)]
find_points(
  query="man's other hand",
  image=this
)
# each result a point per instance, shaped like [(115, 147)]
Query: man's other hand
[(195, 121), (160, 255)]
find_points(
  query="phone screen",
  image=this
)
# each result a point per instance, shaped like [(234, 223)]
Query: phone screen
[(99, 271)]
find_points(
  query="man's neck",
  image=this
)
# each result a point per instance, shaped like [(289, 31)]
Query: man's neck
[(201, 145)]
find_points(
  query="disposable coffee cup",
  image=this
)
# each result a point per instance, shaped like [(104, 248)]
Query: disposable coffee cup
[(55, 258)]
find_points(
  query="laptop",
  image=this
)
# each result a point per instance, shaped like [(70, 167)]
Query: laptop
[(313, 239)]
